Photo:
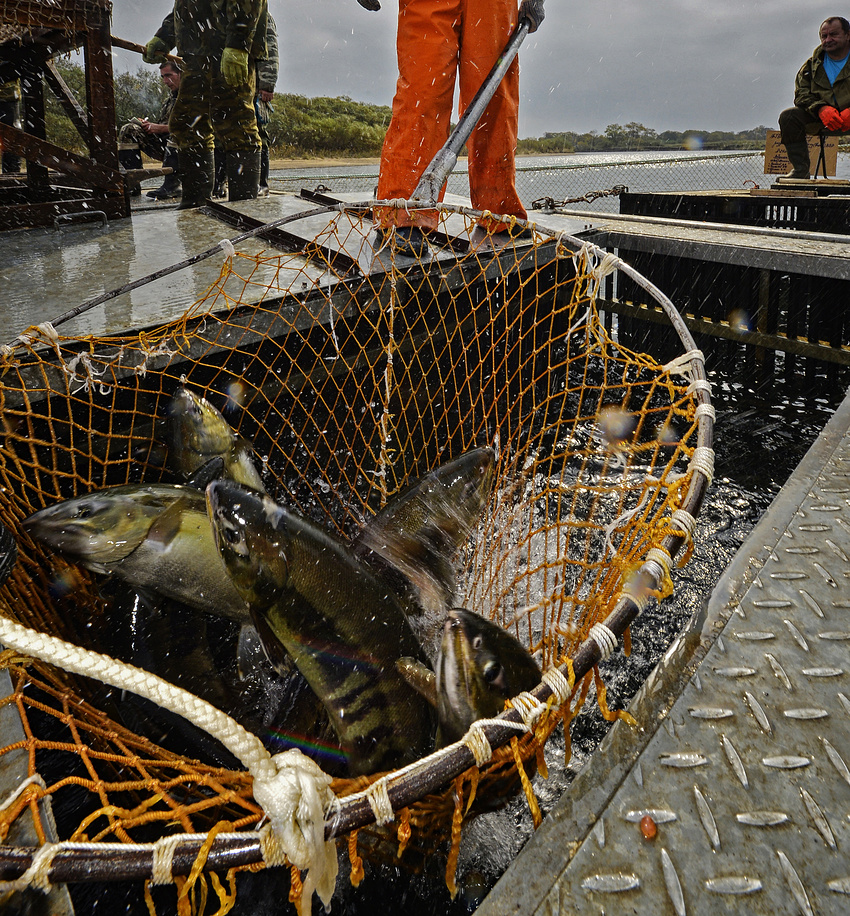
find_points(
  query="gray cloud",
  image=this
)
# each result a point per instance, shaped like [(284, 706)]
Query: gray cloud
[(668, 64)]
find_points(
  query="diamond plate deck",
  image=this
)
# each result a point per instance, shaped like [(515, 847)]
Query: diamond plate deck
[(743, 761)]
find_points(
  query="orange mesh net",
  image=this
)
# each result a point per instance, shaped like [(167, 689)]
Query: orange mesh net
[(352, 373)]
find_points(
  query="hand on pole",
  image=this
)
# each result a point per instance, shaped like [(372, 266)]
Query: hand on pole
[(155, 51), (532, 10)]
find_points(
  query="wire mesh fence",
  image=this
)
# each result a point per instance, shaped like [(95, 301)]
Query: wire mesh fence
[(575, 176)]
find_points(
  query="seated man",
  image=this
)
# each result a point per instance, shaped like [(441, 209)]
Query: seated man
[(10, 113), (153, 137), (821, 95)]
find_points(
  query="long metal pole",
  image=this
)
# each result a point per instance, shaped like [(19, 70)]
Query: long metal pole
[(434, 177)]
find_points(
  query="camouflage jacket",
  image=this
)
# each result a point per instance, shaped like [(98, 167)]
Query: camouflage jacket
[(812, 90), (267, 69), (204, 28)]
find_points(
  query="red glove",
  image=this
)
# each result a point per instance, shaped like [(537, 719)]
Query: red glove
[(831, 118), (845, 119)]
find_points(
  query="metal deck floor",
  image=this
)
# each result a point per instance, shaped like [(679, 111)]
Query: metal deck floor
[(743, 758)]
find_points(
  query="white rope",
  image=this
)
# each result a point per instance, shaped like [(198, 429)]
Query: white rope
[(35, 779), (702, 460), (658, 563), (558, 683), (700, 384), (529, 708), (379, 802), (163, 859), (604, 638), (227, 247), (296, 799), (290, 788), (705, 410), (683, 519), (639, 599), (478, 743), (682, 365), (37, 874)]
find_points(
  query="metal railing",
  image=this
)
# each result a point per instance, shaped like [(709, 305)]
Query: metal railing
[(564, 177)]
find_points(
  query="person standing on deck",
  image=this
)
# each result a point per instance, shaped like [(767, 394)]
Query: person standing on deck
[(437, 41), (220, 42), (267, 71), (821, 95)]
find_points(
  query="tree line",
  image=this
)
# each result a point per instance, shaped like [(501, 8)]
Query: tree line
[(302, 127)]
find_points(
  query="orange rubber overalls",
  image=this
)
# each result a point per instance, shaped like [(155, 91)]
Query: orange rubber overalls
[(436, 40)]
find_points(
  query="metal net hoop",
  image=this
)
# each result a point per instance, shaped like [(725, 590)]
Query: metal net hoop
[(353, 370)]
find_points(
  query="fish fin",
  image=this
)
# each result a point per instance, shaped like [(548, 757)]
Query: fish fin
[(275, 650), (166, 525), (420, 677), (207, 473)]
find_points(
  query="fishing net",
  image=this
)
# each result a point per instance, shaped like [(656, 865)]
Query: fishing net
[(352, 369)]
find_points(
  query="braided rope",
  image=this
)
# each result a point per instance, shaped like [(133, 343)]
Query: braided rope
[(291, 788), (604, 637)]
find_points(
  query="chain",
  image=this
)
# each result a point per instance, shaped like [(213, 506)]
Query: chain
[(549, 203)]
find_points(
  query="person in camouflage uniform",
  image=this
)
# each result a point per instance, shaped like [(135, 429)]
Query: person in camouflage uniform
[(10, 113), (154, 138), (220, 42), (266, 81)]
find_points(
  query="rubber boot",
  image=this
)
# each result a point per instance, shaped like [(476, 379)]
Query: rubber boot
[(196, 172), (798, 156), (171, 185), (220, 173), (243, 174), (264, 173)]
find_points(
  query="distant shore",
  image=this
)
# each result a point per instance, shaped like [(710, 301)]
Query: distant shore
[(355, 160), (322, 163)]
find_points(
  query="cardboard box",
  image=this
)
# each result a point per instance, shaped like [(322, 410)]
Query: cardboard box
[(776, 159)]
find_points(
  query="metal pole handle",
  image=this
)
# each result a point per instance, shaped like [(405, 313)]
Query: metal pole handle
[(434, 177)]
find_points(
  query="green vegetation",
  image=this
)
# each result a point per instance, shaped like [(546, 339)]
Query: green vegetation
[(634, 136), (302, 127), (307, 127)]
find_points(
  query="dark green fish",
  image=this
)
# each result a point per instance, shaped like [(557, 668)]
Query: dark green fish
[(342, 626), (153, 536), (479, 667), (414, 540), (198, 434)]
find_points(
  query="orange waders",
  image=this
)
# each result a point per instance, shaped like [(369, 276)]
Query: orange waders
[(436, 39)]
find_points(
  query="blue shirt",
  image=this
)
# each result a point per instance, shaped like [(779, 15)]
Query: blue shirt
[(833, 67)]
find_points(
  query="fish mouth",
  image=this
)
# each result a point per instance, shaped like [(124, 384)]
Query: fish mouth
[(456, 663)]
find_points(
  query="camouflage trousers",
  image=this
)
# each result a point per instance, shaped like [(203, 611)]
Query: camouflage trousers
[(208, 109)]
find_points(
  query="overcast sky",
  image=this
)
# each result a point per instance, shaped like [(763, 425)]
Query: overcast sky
[(667, 64)]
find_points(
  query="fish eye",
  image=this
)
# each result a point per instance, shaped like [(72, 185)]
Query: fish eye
[(85, 511), (231, 535), (492, 672)]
